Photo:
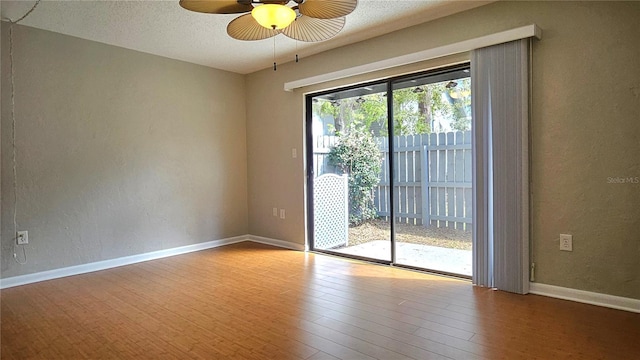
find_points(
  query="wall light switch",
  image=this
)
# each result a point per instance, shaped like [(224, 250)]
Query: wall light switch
[(282, 214), (566, 242), (294, 153), (274, 211)]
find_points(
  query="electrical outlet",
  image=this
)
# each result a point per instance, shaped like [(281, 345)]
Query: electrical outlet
[(22, 237), (282, 214), (566, 242), (275, 212)]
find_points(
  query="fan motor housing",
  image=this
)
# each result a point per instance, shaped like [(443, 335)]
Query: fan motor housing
[(280, 2)]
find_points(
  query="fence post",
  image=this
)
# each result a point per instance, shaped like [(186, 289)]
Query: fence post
[(424, 184)]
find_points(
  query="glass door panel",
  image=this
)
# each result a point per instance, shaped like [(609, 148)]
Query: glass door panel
[(347, 141), (432, 171)]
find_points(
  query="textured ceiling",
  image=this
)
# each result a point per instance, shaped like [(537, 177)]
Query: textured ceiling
[(164, 28)]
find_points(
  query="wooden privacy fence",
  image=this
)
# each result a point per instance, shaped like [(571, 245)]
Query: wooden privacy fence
[(432, 178)]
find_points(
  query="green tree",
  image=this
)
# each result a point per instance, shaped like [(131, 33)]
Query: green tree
[(367, 109), (460, 100), (415, 108), (412, 111)]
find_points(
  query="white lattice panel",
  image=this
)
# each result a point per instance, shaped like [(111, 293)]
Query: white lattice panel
[(330, 211)]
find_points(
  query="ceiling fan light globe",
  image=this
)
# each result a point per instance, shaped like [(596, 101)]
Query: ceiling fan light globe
[(273, 16)]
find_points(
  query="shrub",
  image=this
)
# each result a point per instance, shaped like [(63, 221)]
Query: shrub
[(356, 154)]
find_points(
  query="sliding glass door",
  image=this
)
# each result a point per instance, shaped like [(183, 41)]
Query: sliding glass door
[(410, 206)]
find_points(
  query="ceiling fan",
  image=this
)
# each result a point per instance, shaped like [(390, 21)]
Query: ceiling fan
[(307, 20)]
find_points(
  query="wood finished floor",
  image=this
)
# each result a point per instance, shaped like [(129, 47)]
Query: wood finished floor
[(251, 301)]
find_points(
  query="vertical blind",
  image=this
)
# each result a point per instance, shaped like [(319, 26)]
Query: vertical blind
[(500, 83)]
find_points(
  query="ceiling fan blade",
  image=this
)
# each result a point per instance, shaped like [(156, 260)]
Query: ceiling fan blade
[(245, 27), (309, 29), (327, 9), (216, 6)]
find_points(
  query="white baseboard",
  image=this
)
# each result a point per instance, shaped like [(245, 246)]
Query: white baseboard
[(278, 243), (108, 264), (587, 297), (611, 301)]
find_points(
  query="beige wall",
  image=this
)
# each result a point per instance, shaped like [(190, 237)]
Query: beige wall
[(585, 128), (119, 152)]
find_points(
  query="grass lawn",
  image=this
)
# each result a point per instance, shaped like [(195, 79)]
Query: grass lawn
[(378, 229)]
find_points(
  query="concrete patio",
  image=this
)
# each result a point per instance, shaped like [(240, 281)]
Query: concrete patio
[(424, 256)]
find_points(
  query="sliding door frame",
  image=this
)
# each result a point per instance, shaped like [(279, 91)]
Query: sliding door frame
[(390, 128)]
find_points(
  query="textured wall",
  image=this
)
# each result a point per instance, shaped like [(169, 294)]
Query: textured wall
[(119, 152), (122, 153), (585, 129)]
